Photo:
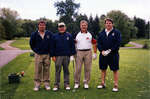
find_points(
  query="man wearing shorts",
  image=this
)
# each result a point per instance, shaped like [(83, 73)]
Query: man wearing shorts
[(108, 44)]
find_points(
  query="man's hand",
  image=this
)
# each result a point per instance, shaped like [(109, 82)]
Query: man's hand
[(54, 58), (105, 53), (71, 58), (94, 56)]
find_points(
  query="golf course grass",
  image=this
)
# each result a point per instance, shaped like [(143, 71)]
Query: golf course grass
[(2, 41), (22, 43), (1, 48), (134, 80)]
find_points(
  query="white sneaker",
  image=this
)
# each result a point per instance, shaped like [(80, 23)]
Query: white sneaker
[(47, 87), (86, 86), (55, 88), (76, 86), (68, 88), (115, 90), (101, 86), (36, 88)]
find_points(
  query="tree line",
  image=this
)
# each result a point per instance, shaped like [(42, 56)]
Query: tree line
[(12, 26)]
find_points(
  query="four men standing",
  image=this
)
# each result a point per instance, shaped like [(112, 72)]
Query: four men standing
[(62, 45)]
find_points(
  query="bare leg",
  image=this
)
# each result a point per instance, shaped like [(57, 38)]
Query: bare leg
[(103, 75), (116, 75)]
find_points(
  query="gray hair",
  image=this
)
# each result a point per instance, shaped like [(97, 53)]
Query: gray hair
[(83, 21)]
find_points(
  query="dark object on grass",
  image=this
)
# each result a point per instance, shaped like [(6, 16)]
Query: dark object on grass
[(145, 46), (13, 78), (32, 54)]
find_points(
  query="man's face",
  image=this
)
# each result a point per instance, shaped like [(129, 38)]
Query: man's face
[(42, 27), (108, 25), (83, 27), (62, 29)]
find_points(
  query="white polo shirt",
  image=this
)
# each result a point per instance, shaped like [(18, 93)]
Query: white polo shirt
[(84, 41)]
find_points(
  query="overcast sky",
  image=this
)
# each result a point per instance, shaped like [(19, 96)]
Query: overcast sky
[(34, 9)]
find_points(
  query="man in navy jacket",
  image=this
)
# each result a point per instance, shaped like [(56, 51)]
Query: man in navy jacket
[(108, 44), (40, 43), (63, 47)]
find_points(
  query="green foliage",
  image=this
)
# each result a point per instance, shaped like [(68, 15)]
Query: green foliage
[(94, 26), (141, 25), (2, 31), (9, 22), (67, 10), (147, 31), (28, 27)]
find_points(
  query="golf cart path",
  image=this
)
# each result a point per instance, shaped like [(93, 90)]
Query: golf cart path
[(9, 53), (136, 45)]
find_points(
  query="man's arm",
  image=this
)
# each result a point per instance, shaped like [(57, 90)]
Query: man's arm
[(94, 42), (33, 42), (72, 45), (53, 46), (100, 48)]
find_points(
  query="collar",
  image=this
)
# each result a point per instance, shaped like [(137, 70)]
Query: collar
[(84, 32), (61, 33), (107, 31), (39, 32)]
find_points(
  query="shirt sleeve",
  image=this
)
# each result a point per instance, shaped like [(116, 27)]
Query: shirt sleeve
[(94, 41), (33, 42), (53, 45), (72, 45), (100, 48)]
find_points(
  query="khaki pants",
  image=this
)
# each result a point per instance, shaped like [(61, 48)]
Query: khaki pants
[(42, 68), (86, 58)]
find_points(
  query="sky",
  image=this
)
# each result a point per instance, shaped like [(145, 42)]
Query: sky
[(35, 9)]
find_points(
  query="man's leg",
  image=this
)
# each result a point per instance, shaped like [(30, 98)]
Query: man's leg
[(46, 69), (103, 64), (116, 75), (65, 64), (87, 66), (38, 70), (78, 66), (58, 65), (103, 75)]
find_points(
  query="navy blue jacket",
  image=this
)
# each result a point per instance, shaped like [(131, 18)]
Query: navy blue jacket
[(39, 45), (112, 41), (63, 44)]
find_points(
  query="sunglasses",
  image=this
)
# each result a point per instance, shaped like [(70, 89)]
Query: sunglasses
[(61, 26)]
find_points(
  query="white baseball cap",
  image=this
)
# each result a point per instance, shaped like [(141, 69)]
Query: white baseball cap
[(61, 24)]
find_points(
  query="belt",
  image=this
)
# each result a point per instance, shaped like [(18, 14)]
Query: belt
[(84, 49)]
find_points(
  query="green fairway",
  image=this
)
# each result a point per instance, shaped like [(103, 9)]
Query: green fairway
[(142, 41), (133, 83), (22, 43)]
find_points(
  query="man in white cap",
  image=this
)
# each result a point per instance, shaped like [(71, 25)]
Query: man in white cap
[(63, 48)]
